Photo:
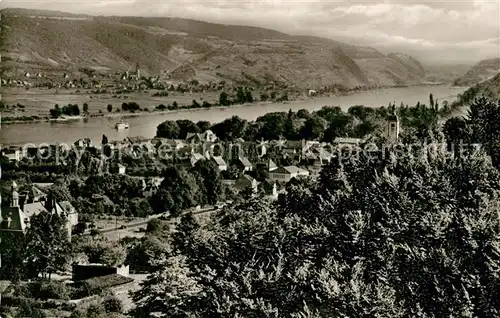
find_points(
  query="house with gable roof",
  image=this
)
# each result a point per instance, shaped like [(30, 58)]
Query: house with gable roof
[(219, 161), (16, 217), (285, 174), (244, 164), (206, 136)]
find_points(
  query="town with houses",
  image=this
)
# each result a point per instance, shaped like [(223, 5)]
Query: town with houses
[(130, 80), (310, 157), (289, 175)]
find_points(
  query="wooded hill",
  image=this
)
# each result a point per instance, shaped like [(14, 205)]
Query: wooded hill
[(52, 42)]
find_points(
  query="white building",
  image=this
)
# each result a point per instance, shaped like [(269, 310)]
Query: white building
[(221, 164), (392, 127), (285, 174), (121, 169)]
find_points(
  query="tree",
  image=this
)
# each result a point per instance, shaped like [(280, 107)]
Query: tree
[(110, 108), (85, 107), (431, 100), (12, 250), (248, 96), (168, 129), (142, 253), (56, 112), (313, 128), (273, 125), (241, 96), (160, 293), (456, 132), (360, 112), (484, 123), (340, 126), (231, 128), (211, 181), (140, 207), (185, 127), (157, 227), (291, 129), (223, 99), (102, 251), (203, 125), (195, 104), (303, 113), (178, 191), (47, 244)]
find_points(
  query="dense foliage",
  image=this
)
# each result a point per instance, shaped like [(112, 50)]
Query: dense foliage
[(375, 236)]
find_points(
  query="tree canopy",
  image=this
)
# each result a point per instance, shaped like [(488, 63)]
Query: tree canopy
[(47, 244), (376, 236)]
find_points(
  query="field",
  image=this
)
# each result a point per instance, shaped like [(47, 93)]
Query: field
[(37, 101)]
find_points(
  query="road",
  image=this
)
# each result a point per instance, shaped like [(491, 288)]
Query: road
[(146, 221)]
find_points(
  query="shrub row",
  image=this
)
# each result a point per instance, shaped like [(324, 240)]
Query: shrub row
[(97, 285)]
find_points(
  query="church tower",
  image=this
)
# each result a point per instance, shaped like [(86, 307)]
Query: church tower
[(392, 128)]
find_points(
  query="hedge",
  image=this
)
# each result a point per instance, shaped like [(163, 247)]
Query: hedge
[(97, 285)]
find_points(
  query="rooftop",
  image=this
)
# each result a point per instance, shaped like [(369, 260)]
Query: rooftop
[(245, 161), (347, 140), (219, 160)]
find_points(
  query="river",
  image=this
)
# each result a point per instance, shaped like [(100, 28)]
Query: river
[(94, 128)]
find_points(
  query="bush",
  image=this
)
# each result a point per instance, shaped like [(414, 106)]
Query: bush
[(95, 310), (97, 285), (113, 304), (153, 225), (50, 290), (78, 313), (42, 290), (28, 308)]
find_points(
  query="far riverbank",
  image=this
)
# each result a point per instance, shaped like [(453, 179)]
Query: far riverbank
[(130, 115), (183, 108), (70, 131)]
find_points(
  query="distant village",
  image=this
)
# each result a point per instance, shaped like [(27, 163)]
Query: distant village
[(135, 80)]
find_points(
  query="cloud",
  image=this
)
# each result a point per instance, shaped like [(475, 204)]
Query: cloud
[(462, 29)]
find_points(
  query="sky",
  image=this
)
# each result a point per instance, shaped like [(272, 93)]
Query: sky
[(433, 31)]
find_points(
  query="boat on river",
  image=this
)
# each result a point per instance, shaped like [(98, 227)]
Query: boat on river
[(122, 125)]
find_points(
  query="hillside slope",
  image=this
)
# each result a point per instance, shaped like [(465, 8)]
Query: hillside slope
[(489, 88), (445, 73), (479, 72), (182, 49)]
